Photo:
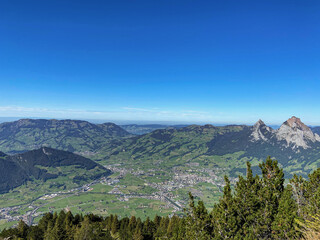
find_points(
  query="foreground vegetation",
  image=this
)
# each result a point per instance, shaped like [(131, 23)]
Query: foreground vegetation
[(258, 208)]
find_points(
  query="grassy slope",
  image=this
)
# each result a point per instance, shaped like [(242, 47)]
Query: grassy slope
[(226, 147)]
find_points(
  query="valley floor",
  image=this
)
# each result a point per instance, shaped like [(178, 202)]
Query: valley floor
[(129, 191)]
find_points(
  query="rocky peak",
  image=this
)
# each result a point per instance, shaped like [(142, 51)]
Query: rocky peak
[(296, 133), (296, 123), (258, 124), (260, 131)]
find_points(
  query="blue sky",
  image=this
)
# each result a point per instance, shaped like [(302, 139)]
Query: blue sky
[(179, 61)]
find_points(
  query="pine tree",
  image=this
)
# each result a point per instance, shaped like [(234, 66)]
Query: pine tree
[(247, 204), (124, 229), (137, 235), (115, 225), (58, 230), (44, 221), (148, 229), (270, 193), (298, 191), (284, 225), (68, 225), (49, 235), (85, 232), (22, 229), (162, 229), (312, 193), (35, 233), (173, 228), (225, 215), (132, 224)]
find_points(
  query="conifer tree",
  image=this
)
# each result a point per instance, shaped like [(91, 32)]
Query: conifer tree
[(284, 225), (114, 224), (137, 235), (132, 223), (22, 229), (298, 191), (225, 215), (85, 232), (49, 235), (44, 221), (312, 193), (35, 233), (270, 193), (58, 230), (148, 229), (124, 229), (247, 204), (69, 228), (173, 228)]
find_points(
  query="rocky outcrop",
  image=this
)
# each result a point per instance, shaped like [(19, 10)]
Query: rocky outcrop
[(292, 134), (260, 131), (296, 134)]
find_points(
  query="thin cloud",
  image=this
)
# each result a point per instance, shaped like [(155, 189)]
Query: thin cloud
[(123, 113)]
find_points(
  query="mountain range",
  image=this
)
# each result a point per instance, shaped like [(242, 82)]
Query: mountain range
[(70, 135), (294, 145), (140, 129)]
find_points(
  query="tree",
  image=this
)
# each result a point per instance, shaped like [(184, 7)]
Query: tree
[(22, 229), (312, 193), (68, 225), (58, 230), (225, 215), (173, 228), (284, 225), (270, 194), (148, 229), (85, 232), (114, 225), (247, 204)]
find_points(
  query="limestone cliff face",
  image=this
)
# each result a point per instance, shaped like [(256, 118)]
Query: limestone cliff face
[(296, 134), (260, 131), (293, 134)]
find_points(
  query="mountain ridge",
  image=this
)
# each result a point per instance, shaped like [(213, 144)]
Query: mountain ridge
[(296, 149), (70, 135), (43, 164)]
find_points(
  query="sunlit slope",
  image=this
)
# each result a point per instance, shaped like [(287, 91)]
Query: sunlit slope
[(69, 135), (228, 147)]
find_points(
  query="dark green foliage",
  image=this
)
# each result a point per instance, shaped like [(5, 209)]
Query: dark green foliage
[(19, 168), (11, 175), (225, 215), (284, 225), (198, 221)]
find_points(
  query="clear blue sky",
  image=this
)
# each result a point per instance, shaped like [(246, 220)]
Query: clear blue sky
[(184, 61)]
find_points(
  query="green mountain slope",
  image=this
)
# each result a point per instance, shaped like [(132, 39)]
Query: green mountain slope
[(44, 164), (140, 129), (69, 135), (296, 149)]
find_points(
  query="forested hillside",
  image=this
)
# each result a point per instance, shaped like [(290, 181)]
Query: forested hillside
[(68, 135), (44, 164)]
